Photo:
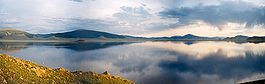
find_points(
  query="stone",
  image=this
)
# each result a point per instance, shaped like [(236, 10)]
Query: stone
[(106, 73)]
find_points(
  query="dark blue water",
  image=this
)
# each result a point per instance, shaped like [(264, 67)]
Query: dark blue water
[(151, 62)]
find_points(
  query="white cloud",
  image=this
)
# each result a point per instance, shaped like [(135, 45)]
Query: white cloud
[(131, 17), (204, 29)]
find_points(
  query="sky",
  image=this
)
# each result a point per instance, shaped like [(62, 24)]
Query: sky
[(148, 18)]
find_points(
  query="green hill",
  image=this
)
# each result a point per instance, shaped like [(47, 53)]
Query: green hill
[(17, 71)]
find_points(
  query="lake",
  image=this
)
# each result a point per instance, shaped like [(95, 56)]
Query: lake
[(166, 62)]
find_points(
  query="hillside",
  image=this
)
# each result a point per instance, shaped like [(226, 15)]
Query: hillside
[(241, 38), (256, 39), (193, 37), (9, 33), (14, 34), (17, 71), (82, 33), (238, 38)]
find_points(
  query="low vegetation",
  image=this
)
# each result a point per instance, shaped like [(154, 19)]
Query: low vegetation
[(17, 71)]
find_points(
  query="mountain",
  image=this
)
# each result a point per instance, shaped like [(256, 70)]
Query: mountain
[(193, 37), (190, 36), (9, 33), (187, 36), (238, 38), (13, 34), (256, 39), (82, 33), (243, 39)]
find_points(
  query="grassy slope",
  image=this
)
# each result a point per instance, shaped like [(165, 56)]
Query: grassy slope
[(17, 71)]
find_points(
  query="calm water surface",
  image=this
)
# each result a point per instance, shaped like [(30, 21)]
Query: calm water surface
[(151, 62)]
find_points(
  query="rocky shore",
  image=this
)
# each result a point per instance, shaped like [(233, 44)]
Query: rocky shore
[(18, 71)]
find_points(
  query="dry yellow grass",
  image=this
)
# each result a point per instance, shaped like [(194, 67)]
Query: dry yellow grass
[(17, 71)]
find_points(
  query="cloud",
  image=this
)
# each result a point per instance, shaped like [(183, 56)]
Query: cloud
[(217, 15), (8, 22), (11, 22), (143, 19), (132, 14), (131, 17), (83, 23), (77, 0), (81, 0), (128, 21)]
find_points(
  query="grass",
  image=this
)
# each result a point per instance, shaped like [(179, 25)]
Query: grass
[(17, 71)]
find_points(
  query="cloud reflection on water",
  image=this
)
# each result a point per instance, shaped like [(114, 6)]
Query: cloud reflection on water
[(158, 62)]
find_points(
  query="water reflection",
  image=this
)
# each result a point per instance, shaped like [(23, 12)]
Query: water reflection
[(12, 47), (155, 62), (89, 46), (16, 46), (201, 49)]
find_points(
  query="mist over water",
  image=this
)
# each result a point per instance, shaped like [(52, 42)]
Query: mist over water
[(151, 62)]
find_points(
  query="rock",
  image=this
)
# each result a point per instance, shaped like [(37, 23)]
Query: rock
[(126, 80), (4, 82), (61, 69), (116, 77), (40, 72), (21, 77), (106, 73)]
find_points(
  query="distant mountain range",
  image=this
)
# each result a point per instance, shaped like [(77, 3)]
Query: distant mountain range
[(193, 37), (187, 37), (241, 38), (89, 34), (80, 33)]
